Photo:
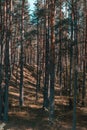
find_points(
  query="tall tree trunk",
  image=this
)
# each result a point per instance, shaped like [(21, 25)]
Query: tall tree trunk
[(52, 62), (21, 56), (71, 61), (6, 62), (0, 59), (46, 82), (76, 65), (85, 56), (60, 48), (37, 87)]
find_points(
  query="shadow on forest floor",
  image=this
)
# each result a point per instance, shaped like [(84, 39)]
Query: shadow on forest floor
[(27, 118), (31, 116)]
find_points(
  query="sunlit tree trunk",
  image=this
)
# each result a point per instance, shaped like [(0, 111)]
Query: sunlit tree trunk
[(46, 80), (52, 61), (60, 47)]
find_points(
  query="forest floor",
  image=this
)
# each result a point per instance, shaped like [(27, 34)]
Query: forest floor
[(31, 115)]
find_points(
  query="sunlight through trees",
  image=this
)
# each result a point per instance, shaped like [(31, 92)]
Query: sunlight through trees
[(43, 57)]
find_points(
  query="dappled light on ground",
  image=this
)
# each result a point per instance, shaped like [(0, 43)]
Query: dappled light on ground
[(31, 115)]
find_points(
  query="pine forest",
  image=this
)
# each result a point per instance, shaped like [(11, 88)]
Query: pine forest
[(43, 65)]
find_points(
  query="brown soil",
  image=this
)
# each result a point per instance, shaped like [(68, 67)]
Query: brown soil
[(31, 116)]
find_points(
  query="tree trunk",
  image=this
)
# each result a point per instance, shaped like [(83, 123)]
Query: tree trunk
[(52, 62), (76, 66), (46, 82), (21, 56)]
